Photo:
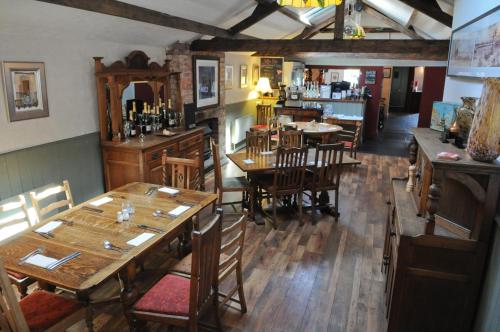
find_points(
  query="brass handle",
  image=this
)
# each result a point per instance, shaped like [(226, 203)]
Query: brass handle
[(170, 150)]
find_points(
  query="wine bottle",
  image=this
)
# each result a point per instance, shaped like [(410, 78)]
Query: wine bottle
[(133, 131), (171, 117), (147, 119)]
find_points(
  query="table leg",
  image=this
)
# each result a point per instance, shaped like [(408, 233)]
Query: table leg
[(46, 286), (129, 293), (89, 314)]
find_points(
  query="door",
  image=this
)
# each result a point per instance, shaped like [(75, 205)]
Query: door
[(399, 87)]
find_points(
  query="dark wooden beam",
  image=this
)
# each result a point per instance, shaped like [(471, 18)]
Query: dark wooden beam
[(260, 12), (390, 22), (141, 14), (339, 21), (403, 49), (367, 30), (309, 32), (431, 9)]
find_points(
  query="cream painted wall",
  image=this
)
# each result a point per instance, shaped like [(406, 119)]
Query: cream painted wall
[(386, 92), (237, 94), (71, 88), (465, 11)]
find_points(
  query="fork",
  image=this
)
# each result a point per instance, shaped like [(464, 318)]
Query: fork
[(63, 260), (47, 235)]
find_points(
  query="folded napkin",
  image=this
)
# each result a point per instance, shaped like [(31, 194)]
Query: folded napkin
[(266, 153), (41, 260), (448, 156), (49, 227), (101, 201), (170, 191), (179, 210), (249, 161), (137, 241)]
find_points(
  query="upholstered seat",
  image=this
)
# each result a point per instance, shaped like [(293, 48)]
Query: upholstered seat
[(347, 144), (260, 127), (239, 182), (16, 275), (43, 310), (170, 296)]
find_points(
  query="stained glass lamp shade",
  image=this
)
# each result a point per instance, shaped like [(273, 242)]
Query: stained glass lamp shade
[(309, 3)]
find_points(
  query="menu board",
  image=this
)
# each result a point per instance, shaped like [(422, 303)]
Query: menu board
[(272, 68)]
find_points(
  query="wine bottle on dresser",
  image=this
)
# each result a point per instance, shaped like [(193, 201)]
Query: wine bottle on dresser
[(171, 116), (147, 119), (133, 130)]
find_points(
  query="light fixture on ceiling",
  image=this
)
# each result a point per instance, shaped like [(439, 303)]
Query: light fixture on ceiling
[(309, 3), (352, 24)]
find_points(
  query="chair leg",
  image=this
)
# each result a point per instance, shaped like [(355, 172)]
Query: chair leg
[(313, 207), (23, 290), (275, 218), (336, 205), (241, 292), (251, 202), (89, 318), (218, 323), (301, 221)]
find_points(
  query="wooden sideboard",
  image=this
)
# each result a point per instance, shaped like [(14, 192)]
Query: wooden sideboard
[(437, 238), (133, 161)]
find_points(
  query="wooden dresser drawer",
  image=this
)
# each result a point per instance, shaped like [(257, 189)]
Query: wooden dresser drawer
[(191, 142), (156, 154)]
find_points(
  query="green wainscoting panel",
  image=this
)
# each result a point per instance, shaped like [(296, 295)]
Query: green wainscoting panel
[(76, 159), (236, 110)]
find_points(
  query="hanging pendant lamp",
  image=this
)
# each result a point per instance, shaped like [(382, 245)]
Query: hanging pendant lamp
[(309, 3)]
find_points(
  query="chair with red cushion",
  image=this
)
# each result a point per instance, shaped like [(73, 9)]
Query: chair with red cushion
[(180, 301), (264, 117), (16, 213), (350, 135), (39, 311)]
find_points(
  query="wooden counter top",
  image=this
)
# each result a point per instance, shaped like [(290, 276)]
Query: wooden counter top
[(355, 101), (149, 141)]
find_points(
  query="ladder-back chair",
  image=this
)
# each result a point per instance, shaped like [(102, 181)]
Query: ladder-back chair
[(258, 141), (37, 200), (291, 138), (181, 173)]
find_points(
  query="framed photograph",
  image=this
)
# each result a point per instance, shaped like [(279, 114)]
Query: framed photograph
[(26, 90), (475, 47), (255, 74), (443, 110), (370, 77), (206, 81), (228, 77), (387, 72), (272, 68), (335, 75), (243, 76)]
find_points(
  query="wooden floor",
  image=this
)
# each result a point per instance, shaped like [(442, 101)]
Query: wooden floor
[(323, 277)]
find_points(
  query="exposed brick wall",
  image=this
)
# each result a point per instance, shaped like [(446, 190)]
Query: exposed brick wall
[(182, 61)]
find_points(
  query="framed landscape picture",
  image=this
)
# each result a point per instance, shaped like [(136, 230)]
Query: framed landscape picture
[(370, 77), (228, 77), (475, 47), (243, 76), (443, 110), (26, 90), (206, 81)]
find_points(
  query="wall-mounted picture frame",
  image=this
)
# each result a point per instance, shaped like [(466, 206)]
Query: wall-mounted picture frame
[(26, 90), (272, 68), (334, 76), (255, 74), (370, 77), (475, 47), (243, 76), (228, 77), (206, 81), (387, 72)]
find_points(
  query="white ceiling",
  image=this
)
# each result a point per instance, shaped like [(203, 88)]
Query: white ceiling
[(47, 20)]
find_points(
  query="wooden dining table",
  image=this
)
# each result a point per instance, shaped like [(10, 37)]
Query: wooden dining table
[(324, 131), (86, 227)]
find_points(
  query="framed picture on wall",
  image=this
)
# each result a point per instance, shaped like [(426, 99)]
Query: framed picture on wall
[(335, 75), (26, 90), (387, 72), (206, 81), (255, 74), (272, 68), (475, 47), (243, 76), (370, 77), (228, 77)]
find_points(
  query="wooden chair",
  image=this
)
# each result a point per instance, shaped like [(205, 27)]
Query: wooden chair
[(350, 136), (181, 173), (180, 301), (265, 115), (288, 177), (230, 184), (325, 175), (36, 200), (291, 138), (39, 311), (233, 240), (258, 141), (18, 214)]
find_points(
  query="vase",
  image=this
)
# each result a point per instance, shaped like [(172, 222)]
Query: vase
[(465, 115), (484, 137)]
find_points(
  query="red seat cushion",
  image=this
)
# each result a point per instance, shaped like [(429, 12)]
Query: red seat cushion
[(260, 126), (169, 296), (347, 144), (43, 309), (16, 275)]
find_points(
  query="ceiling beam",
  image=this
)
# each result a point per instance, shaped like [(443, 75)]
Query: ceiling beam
[(403, 49), (260, 12), (390, 22), (309, 32), (287, 12), (339, 21), (430, 8), (141, 14), (367, 30)]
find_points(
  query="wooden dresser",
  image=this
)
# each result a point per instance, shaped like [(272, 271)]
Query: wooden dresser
[(133, 161), (437, 238), (300, 114)]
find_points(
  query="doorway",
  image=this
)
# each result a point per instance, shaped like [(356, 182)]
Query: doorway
[(399, 89)]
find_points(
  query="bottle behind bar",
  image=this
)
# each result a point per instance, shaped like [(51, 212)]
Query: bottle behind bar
[(133, 131), (147, 123), (171, 115)]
